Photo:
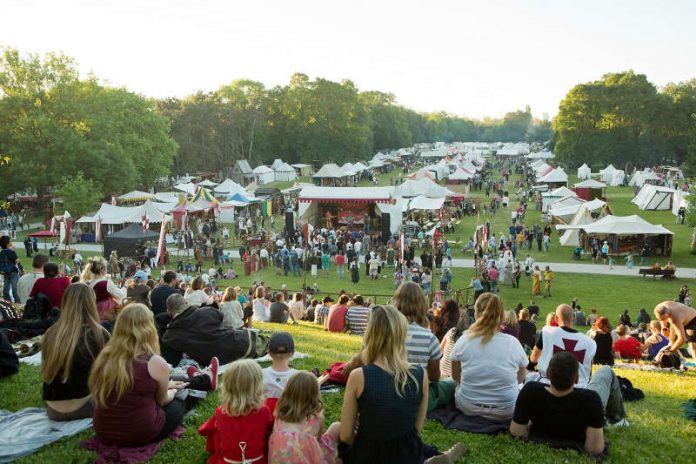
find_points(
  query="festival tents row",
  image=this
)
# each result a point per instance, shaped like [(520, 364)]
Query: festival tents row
[(612, 176), (425, 187), (646, 176), (657, 198), (109, 214)]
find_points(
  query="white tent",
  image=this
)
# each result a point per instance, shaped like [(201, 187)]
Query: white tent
[(617, 178), (359, 167), (679, 200), (641, 177), (439, 170), (329, 171), (607, 173), (425, 186), (566, 212), (566, 201), (423, 202), (284, 172), (276, 164), (263, 175), (188, 187), (136, 195), (571, 237), (591, 184), (116, 215), (167, 197), (625, 225), (207, 183), (549, 197), (556, 176), (460, 174), (229, 187), (654, 198), (584, 172)]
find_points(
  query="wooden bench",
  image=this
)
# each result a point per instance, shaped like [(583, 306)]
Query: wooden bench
[(665, 273)]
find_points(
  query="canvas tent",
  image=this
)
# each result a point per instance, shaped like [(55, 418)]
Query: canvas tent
[(229, 187), (129, 241), (555, 178), (565, 213), (617, 178), (109, 214), (263, 175), (549, 197), (642, 177), (189, 188), (242, 172), (426, 187), (425, 203), (305, 170), (207, 183), (135, 196), (284, 172), (589, 189), (571, 237), (460, 175), (626, 234), (654, 198), (329, 171), (607, 173), (584, 172)]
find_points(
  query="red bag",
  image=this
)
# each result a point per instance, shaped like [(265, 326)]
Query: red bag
[(335, 372)]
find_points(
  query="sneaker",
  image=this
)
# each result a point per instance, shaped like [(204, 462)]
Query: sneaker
[(192, 371), (213, 371), (456, 452), (622, 424)]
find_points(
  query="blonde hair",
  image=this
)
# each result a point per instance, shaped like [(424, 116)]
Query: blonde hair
[(95, 268), (524, 315), (489, 314), (385, 338), (230, 294), (134, 337), (242, 388), (77, 326), (300, 399), (510, 319), (410, 300)]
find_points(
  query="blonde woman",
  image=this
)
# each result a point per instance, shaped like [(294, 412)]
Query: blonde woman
[(389, 395), (134, 400), (108, 294), (69, 349), (232, 313), (488, 365)]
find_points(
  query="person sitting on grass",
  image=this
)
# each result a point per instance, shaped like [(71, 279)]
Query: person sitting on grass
[(321, 313), (238, 430), (390, 396), (488, 365), (281, 348), (357, 316), (336, 320), (627, 347), (298, 436), (560, 414), (231, 309), (656, 341), (68, 351), (135, 403), (279, 311), (602, 335)]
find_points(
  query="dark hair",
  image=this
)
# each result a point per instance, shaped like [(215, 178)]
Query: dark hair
[(279, 296), (168, 277), (358, 300), (4, 241), (51, 270), (562, 370), (450, 313), (344, 299), (39, 261)]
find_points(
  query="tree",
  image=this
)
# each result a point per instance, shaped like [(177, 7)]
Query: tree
[(79, 195)]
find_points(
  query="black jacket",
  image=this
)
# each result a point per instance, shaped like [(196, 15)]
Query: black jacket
[(198, 332)]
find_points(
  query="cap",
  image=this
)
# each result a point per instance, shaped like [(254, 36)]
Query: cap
[(140, 275), (281, 342)]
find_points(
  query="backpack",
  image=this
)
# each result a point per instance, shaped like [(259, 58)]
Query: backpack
[(335, 372), (6, 267), (628, 391), (37, 307), (668, 359)]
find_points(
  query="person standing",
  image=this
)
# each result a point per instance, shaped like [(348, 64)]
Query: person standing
[(9, 268), (27, 246), (548, 280)]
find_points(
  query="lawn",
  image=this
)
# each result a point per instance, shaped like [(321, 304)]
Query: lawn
[(658, 431)]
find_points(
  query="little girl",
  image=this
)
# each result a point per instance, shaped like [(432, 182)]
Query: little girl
[(238, 430), (297, 434)]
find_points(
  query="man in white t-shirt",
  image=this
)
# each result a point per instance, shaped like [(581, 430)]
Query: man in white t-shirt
[(281, 348), (563, 338), (26, 282)]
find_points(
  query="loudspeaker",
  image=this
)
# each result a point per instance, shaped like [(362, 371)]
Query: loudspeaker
[(290, 222), (386, 227)]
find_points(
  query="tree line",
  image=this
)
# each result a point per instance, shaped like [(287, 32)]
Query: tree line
[(626, 120), (58, 128)]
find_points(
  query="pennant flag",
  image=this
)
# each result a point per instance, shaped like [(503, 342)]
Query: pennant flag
[(402, 244), (98, 231), (145, 223), (162, 243), (113, 200)]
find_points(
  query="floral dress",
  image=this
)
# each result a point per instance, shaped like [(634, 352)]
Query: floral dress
[(298, 443)]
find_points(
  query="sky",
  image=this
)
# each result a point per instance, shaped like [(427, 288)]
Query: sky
[(470, 58)]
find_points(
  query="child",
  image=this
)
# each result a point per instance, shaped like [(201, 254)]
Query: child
[(297, 434), (281, 347), (238, 430)]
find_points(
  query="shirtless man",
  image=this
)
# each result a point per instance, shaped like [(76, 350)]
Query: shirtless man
[(682, 320)]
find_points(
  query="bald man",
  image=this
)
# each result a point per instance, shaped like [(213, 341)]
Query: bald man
[(682, 322)]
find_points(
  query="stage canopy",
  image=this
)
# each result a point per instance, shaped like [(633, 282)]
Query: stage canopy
[(425, 203)]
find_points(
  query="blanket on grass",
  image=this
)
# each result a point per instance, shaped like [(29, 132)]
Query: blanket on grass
[(25, 431), (450, 417), (107, 454)]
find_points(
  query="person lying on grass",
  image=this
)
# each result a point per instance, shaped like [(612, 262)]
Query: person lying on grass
[(559, 413)]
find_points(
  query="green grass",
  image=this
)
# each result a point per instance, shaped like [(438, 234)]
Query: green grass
[(658, 431)]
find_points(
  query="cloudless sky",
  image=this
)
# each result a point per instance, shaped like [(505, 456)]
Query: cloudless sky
[(472, 58)]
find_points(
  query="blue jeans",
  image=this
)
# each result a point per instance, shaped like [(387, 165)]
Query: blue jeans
[(11, 282), (494, 286)]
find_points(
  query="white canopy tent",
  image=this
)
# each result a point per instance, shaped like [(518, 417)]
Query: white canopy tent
[(109, 214), (188, 187), (571, 237), (679, 200), (207, 183), (425, 203), (426, 187), (136, 195), (263, 175), (284, 172), (229, 187), (566, 212), (549, 197), (567, 201), (460, 174), (329, 171), (607, 173), (557, 176), (591, 184), (617, 178), (641, 177), (584, 172), (624, 225)]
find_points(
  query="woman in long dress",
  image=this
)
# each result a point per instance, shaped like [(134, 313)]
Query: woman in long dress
[(536, 281)]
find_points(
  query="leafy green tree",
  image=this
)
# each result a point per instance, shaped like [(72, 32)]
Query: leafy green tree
[(79, 195)]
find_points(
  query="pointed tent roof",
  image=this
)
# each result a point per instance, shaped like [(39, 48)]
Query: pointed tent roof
[(571, 237), (425, 186), (330, 171), (359, 167), (276, 164), (556, 175), (591, 184), (262, 169), (460, 174), (423, 202), (625, 225), (189, 188), (204, 194), (207, 183), (560, 192), (229, 186), (240, 198), (284, 167), (136, 195), (244, 166)]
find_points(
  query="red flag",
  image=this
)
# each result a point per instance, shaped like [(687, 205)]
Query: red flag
[(145, 223), (402, 244), (162, 242), (97, 230)]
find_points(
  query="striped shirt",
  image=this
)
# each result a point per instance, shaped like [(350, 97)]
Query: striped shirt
[(445, 361), (357, 319), (421, 345)]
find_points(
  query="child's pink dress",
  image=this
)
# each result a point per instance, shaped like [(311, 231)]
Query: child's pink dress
[(298, 443)]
